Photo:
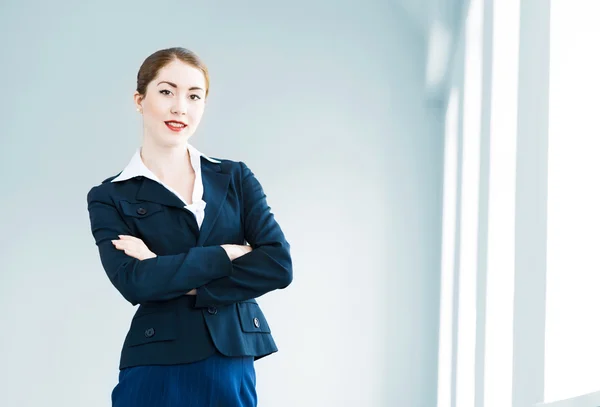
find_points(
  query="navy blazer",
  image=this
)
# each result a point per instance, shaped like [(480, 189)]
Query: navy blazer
[(170, 327)]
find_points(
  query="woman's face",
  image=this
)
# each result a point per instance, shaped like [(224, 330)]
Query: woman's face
[(174, 104)]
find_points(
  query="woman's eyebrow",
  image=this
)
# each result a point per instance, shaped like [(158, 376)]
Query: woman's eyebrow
[(175, 86)]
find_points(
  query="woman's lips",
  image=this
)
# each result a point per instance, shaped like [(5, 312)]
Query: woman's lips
[(176, 128)]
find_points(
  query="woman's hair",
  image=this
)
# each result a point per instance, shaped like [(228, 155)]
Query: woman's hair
[(155, 62)]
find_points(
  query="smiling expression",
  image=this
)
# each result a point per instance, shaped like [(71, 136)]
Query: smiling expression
[(173, 104)]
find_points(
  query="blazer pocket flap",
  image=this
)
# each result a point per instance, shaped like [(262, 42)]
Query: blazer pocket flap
[(251, 318), (140, 210), (150, 328)]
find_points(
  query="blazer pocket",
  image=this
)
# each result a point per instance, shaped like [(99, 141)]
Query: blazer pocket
[(150, 328), (140, 210), (252, 318)]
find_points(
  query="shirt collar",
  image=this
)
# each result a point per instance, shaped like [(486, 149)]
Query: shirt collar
[(136, 166)]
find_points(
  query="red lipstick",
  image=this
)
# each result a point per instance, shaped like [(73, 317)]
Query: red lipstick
[(175, 125)]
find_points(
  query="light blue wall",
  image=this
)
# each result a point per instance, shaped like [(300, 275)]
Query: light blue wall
[(323, 100)]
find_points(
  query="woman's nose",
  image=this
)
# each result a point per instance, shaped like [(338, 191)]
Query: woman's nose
[(179, 108)]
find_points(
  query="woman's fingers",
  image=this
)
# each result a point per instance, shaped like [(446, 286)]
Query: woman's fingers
[(129, 248), (124, 244), (128, 241), (133, 247)]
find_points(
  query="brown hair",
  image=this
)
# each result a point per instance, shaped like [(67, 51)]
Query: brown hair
[(155, 62)]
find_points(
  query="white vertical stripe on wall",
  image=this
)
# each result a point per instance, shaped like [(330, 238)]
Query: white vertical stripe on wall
[(465, 380), (498, 362), (448, 250)]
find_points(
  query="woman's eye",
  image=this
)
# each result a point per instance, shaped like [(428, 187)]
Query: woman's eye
[(196, 96), (165, 90)]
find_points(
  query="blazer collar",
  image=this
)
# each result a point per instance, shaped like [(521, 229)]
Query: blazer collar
[(136, 166)]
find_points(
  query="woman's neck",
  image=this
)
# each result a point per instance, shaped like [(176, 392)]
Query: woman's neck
[(166, 162)]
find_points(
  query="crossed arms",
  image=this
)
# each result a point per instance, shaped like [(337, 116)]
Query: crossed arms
[(218, 277)]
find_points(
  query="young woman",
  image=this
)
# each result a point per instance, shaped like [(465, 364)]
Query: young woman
[(192, 240)]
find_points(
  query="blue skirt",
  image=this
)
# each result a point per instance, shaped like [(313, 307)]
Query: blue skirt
[(218, 381)]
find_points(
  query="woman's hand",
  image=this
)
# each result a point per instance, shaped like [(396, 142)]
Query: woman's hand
[(133, 247), (235, 250)]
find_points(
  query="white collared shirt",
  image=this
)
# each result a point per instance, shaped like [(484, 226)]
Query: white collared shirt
[(136, 168)]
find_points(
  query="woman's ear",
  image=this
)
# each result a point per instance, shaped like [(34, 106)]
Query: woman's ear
[(137, 100)]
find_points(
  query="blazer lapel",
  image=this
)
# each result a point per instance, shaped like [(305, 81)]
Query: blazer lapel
[(152, 191), (215, 184)]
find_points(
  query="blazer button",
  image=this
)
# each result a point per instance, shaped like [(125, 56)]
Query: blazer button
[(141, 211), (212, 310), (149, 333), (256, 323)]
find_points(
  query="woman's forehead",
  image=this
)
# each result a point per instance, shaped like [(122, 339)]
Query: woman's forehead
[(181, 74)]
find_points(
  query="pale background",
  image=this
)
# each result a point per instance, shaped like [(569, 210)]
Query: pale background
[(433, 164), (332, 104)]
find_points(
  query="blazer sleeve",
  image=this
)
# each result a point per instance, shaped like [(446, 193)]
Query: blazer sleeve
[(267, 267), (157, 279)]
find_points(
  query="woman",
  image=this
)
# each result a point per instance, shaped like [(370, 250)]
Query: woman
[(171, 230)]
